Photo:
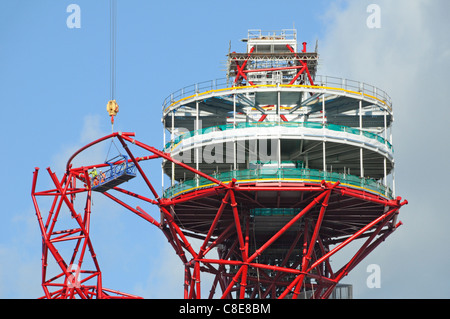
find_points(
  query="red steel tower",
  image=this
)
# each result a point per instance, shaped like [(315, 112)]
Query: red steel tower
[(272, 171)]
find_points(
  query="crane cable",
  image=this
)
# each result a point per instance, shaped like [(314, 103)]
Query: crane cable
[(112, 107)]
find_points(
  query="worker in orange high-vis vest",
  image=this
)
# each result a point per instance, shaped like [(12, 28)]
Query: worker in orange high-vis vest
[(94, 174)]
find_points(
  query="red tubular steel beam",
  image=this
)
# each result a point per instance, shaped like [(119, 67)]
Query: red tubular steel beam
[(179, 232), (68, 165), (301, 71), (138, 211), (368, 196), (291, 249), (339, 247), (169, 158), (187, 279), (233, 281), (38, 213), (224, 235), (47, 244), (54, 192), (84, 227), (121, 294), (198, 194), (303, 64), (241, 188), (238, 225), (373, 246), (150, 186), (147, 217), (290, 223), (240, 73), (244, 264), (354, 236), (71, 286), (179, 251), (176, 243), (62, 193), (132, 194), (257, 265), (365, 249), (213, 225), (86, 243), (50, 214), (359, 256), (242, 281), (241, 68), (87, 223), (309, 77), (327, 262), (272, 188), (193, 281), (312, 242)]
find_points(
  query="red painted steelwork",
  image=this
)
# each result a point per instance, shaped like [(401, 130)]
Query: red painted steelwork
[(305, 66), (66, 284), (242, 268), (241, 68), (302, 68)]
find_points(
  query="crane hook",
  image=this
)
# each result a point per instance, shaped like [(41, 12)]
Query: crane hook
[(113, 108)]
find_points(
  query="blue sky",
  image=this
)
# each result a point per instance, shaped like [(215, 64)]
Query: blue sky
[(54, 86)]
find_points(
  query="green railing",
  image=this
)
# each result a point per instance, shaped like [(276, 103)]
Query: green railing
[(282, 174), (314, 125), (274, 211)]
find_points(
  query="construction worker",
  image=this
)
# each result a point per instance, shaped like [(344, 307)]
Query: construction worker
[(102, 176), (94, 175)]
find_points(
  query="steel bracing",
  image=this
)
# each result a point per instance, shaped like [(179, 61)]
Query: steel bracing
[(244, 224), (243, 267)]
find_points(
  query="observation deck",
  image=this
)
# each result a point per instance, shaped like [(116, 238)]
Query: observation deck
[(275, 170), (212, 122), (273, 120)]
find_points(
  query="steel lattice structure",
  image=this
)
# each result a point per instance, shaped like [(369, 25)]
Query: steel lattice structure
[(263, 226)]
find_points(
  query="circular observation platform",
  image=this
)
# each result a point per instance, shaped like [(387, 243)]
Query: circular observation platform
[(277, 143), (338, 126)]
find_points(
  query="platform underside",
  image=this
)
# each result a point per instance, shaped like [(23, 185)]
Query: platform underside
[(261, 231), (344, 214)]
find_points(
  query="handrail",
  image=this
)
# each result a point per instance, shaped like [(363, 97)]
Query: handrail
[(314, 125), (321, 82), (114, 172)]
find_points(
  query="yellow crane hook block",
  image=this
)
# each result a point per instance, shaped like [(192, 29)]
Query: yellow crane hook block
[(113, 108)]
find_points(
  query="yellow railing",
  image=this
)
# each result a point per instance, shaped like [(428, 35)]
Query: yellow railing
[(282, 175), (216, 86)]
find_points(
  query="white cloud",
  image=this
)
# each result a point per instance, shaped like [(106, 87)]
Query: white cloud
[(166, 276), (408, 57), (20, 268), (90, 131), (166, 279)]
